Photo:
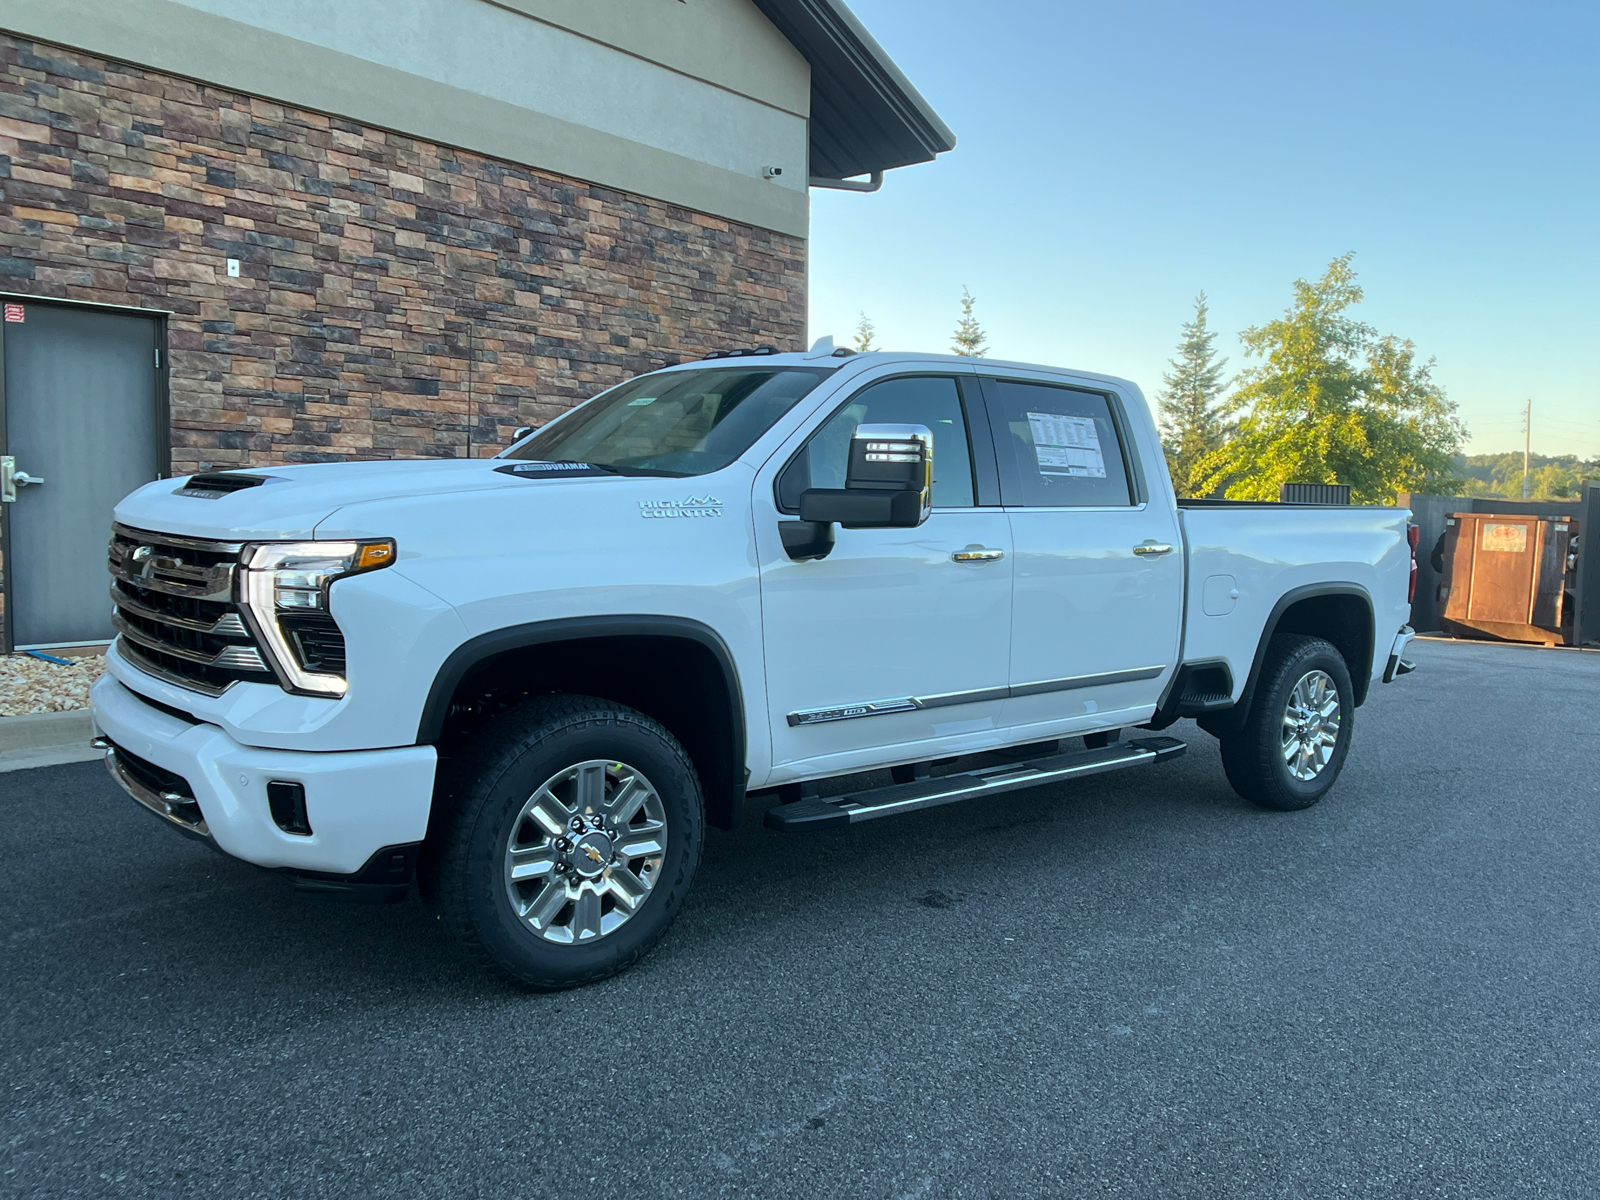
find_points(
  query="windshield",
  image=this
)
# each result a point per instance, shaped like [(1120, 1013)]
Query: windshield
[(675, 422)]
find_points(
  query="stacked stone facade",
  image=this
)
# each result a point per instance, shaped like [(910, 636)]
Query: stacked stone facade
[(395, 297)]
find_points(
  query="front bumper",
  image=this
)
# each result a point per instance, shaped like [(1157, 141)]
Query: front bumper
[(357, 802), (1397, 664)]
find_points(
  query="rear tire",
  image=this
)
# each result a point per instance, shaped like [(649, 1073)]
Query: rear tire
[(1292, 745), (566, 833)]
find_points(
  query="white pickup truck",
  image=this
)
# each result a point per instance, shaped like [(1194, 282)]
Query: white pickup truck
[(529, 682)]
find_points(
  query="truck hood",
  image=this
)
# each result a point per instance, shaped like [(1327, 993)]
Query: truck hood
[(293, 500)]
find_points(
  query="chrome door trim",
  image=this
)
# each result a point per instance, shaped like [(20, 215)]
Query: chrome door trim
[(874, 708), (1104, 679)]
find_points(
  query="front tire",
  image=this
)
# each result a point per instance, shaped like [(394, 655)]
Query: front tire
[(566, 841), (1292, 745)]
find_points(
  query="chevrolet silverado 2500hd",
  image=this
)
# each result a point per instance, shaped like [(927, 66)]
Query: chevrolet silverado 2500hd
[(529, 682)]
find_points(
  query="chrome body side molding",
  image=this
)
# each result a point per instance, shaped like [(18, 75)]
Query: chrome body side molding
[(874, 708)]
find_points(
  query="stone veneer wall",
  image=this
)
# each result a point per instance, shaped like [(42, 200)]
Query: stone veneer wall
[(395, 297)]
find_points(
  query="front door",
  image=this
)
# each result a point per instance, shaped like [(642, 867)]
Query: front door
[(1098, 565), (890, 640), (81, 416)]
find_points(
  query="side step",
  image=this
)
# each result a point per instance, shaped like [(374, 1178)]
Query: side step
[(817, 813)]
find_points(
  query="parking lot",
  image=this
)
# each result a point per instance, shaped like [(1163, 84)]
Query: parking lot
[(1137, 985)]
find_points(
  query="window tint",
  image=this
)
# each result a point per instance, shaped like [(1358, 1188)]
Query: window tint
[(933, 401), (1058, 447)]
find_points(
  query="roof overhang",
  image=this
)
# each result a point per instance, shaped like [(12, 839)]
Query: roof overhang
[(865, 115)]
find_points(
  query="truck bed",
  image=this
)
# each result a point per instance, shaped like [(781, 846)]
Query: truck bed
[(1271, 555)]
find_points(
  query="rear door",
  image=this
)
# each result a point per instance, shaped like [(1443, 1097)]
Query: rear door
[(1098, 575), (82, 414), (889, 641)]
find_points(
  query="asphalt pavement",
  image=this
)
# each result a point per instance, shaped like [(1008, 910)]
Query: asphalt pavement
[(1136, 985)]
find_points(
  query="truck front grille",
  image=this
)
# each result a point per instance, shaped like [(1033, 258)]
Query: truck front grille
[(176, 616)]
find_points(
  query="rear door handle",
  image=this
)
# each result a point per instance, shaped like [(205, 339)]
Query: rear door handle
[(976, 553), (1152, 549)]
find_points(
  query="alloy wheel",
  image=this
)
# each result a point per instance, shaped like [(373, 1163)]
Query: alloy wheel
[(585, 851), (1310, 725)]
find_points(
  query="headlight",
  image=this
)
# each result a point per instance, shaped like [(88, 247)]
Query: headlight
[(285, 596)]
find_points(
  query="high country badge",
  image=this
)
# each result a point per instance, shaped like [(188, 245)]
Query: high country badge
[(694, 506)]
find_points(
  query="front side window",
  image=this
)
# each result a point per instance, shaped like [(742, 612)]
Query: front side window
[(1058, 447), (673, 423), (931, 400)]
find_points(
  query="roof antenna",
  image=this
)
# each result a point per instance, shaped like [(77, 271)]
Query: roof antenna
[(823, 348)]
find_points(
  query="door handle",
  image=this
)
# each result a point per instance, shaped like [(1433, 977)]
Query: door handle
[(976, 553), (10, 477), (1152, 549)]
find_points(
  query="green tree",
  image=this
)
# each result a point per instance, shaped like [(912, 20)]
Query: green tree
[(865, 330), (969, 338), (1499, 476), (1331, 402), (1193, 424)]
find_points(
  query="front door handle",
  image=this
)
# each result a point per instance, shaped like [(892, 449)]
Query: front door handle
[(1152, 549), (976, 553)]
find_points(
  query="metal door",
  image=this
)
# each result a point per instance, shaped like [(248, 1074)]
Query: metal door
[(899, 636), (83, 421)]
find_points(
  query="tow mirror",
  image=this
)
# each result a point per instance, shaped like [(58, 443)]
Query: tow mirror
[(888, 484)]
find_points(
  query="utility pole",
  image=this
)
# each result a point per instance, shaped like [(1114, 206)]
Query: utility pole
[(1527, 442)]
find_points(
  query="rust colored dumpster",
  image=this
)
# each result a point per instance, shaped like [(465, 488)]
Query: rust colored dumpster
[(1511, 577)]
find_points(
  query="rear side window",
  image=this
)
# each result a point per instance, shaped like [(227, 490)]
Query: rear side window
[(931, 400), (1058, 447)]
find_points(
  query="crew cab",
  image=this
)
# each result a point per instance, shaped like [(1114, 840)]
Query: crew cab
[(529, 682)]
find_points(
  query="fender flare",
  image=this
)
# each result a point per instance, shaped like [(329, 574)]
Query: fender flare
[(517, 637), (1361, 679)]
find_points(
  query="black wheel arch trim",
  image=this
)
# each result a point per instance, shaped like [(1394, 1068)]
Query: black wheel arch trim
[(1360, 676), (567, 629)]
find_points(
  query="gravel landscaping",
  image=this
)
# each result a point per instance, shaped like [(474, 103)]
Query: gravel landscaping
[(32, 685)]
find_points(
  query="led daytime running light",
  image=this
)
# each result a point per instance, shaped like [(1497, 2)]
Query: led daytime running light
[(294, 577)]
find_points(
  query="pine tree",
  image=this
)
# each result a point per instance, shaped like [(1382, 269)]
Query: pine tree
[(1192, 421), (864, 335), (969, 338)]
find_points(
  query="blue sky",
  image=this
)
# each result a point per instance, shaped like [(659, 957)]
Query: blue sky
[(1115, 159)]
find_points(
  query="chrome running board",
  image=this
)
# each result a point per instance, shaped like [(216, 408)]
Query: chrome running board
[(819, 813)]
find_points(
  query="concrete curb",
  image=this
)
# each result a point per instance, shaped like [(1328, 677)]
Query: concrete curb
[(47, 756), (46, 729)]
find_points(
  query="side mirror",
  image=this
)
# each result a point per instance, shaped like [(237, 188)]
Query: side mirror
[(522, 432), (888, 484)]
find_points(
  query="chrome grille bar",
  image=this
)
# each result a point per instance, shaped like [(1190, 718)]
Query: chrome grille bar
[(131, 652), (214, 584), (198, 638), (228, 625), (239, 658)]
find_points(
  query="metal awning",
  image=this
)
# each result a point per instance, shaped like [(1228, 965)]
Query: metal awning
[(865, 115)]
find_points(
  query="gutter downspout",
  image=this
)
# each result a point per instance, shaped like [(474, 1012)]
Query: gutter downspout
[(871, 184)]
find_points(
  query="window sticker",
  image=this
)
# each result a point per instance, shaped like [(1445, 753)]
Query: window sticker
[(641, 401), (1067, 445), (1505, 537)]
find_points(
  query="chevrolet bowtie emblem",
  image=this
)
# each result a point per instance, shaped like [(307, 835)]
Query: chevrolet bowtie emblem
[(141, 553), (594, 855)]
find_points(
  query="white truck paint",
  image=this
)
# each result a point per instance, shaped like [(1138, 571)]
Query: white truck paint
[(1071, 619)]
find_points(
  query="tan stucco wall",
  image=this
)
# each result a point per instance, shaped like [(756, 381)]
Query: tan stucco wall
[(684, 103)]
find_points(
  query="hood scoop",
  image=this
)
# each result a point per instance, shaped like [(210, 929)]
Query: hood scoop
[(217, 484)]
